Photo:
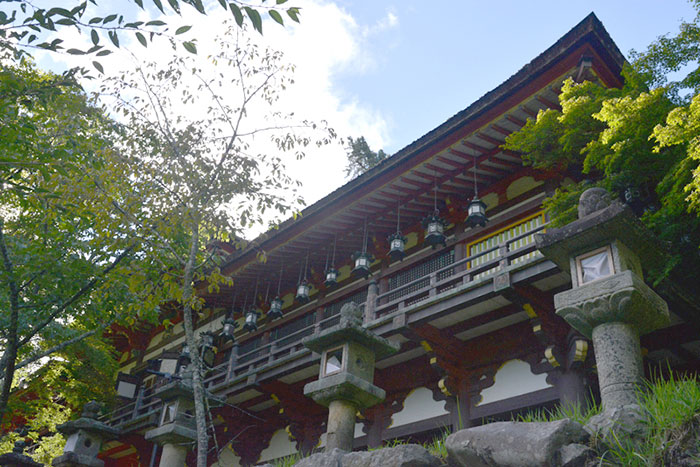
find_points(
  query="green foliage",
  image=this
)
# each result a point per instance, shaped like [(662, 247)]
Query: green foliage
[(671, 54), (437, 446), (615, 137), (682, 128), (66, 263), (671, 409), (637, 138), (26, 25), (361, 158)]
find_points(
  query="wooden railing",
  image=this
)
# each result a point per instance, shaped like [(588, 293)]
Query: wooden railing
[(458, 273), (145, 407), (425, 287)]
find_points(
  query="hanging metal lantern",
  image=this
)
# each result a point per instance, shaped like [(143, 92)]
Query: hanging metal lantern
[(362, 259), (275, 310), (331, 277), (251, 320), (229, 329), (397, 246), (362, 264), (476, 213), (207, 349), (397, 242), (435, 230), (303, 290), (331, 271), (434, 225)]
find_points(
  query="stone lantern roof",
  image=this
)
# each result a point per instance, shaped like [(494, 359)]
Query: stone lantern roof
[(601, 220), (350, 329)]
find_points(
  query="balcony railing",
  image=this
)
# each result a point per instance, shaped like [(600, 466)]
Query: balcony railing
[(463, 271), (445, 273)]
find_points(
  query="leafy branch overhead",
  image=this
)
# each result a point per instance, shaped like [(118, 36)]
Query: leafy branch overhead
[(29, 27), (640, 142)]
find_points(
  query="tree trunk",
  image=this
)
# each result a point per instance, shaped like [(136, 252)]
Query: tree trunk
[(10, 355), (198, 387)]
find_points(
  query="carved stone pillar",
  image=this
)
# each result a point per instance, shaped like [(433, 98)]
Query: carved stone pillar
[(606, 250), (177, 429), (348, 353)]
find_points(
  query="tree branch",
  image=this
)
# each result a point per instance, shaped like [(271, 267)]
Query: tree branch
[(77, 295)]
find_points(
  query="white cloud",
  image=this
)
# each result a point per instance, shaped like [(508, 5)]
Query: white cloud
[(328, 43)]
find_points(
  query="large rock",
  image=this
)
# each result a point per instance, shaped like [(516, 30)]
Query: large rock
[(576, 455), (407, 455), (516, 444)]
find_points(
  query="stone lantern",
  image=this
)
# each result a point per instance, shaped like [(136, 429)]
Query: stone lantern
[(84, 439), (348, 354), (177, 427), (17, 458), (606, 250)]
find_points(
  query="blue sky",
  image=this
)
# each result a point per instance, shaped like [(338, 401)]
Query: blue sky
[(443, 55), (393, 70)]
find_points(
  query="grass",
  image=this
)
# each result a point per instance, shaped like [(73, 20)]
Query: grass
[(288, 461), (573, 411), (437, 447), (671, 411)]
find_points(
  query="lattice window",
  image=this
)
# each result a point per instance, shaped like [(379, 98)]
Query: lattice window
[(334, 308), (421, 270), (501, 237)]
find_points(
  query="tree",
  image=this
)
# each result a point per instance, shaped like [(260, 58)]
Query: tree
[(27, 26), (63, 263), (640, 142), (197, 177), (361, 158)]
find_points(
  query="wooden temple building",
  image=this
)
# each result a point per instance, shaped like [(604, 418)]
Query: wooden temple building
[(471, 307)]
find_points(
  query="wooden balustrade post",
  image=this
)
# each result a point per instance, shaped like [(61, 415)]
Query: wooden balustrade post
[(317, 321), (138, 402), (460, 254), (271, 355), (232, 361), (370, 305), (503, 254), (383, 288)]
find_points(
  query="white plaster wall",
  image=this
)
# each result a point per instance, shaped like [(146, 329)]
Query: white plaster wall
[(419, 405), (228, 458), (280, 446), (514, 378)]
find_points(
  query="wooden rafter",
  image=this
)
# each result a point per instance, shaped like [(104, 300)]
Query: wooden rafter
[(548, 103), (515, 120), (489, 139)]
